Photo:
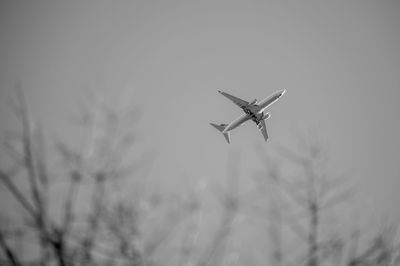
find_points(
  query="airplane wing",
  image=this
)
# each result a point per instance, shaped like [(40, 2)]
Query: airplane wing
[(263, 128), (239, 102)]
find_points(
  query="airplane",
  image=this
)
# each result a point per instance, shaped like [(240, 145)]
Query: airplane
[(252, 110)]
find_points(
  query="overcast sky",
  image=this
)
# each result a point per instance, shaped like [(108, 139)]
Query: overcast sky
[(338, 60)]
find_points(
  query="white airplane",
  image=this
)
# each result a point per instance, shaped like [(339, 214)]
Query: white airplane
[(253, 110)]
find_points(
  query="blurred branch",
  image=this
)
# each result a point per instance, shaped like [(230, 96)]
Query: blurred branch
[(38, 193), (104, 159), (337, 198), (17, 194), (381, 251), (317, 194), (75, 179), (293, 156), (28, 153), (271, 185), (10, 254), (93, 220), (230, 201)]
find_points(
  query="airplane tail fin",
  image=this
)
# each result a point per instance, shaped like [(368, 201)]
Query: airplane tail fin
[(221, 128)]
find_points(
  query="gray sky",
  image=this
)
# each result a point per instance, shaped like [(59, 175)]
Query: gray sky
[(338, 60)]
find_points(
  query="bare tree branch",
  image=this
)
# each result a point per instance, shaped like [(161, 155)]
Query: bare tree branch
[(19, 196), (11, 255)]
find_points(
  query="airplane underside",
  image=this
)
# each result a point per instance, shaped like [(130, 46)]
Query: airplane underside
[(252, 111)]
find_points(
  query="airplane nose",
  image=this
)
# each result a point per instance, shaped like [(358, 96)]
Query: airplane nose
[(283, 92)]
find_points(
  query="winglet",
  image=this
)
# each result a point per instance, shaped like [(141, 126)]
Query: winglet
[(221, 128)]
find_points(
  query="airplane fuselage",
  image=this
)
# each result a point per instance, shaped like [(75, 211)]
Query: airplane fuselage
[(254, 111)]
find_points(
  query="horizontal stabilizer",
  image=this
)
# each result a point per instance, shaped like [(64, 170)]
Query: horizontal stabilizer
[(221, 128)]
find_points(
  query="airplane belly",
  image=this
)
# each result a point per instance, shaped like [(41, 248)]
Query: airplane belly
[(270, 100), (253, 111), (267, 102), (237, 122)]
